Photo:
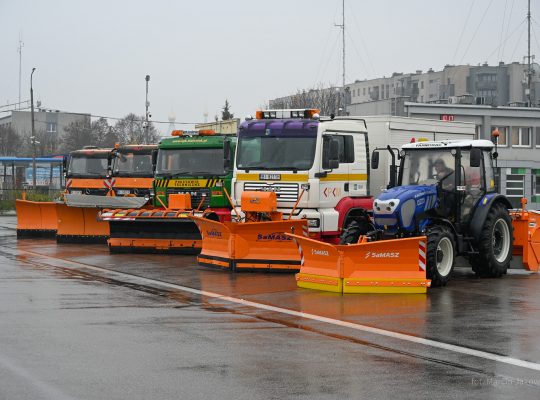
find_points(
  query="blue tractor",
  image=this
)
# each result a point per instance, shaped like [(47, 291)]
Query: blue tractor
[(446, 191)]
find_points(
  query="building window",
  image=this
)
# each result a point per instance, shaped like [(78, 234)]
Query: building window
[(536, 186), (51, 127), (515, 185), (537, 141), (364, 91), (422, 85), (503, 135), (521, 136)]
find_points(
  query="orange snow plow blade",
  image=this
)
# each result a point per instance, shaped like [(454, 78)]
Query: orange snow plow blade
[(527, 238), (151, 231), (386, 266), (35, 218), (250, 245), (80, 224)]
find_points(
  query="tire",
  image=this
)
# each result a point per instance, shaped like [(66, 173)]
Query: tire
[(351, 233), (354, 229), (441, 255), (494, 244)]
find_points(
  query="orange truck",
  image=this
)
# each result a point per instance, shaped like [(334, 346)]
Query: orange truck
[(95, 178)]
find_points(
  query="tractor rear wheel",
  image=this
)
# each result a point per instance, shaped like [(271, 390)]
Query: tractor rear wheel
[(494, 244), (441, 253)]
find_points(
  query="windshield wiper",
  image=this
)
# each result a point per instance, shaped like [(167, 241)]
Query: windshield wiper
[(254, 166)]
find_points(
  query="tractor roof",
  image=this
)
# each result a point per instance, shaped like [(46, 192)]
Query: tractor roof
[(485, 144)]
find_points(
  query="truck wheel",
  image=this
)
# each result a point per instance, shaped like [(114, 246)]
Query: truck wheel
[(354, 229), (441, 253), (495, 244)]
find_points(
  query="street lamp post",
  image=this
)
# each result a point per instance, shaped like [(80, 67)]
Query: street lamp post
[(147, 104), (33, 132)]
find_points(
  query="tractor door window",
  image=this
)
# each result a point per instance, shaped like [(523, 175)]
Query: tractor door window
[(471, 177), (473, 181)]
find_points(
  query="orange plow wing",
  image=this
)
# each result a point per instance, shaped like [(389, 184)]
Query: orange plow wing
[(36, 218), (527, 238), (249, 246), (386, 266), (80, 224)]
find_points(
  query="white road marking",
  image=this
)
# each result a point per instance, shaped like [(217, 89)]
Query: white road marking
[(358, 327)]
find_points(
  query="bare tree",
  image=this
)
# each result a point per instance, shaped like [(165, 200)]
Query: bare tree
[(10, 142), (77, 135), (48, 143), (330, 100), (104, 134), (130, 130)]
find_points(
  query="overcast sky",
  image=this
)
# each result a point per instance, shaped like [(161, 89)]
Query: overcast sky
[(92, 56)]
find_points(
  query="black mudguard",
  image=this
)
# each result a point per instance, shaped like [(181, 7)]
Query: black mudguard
[(482, 210)]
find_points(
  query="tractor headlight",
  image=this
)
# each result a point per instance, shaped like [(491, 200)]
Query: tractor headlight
[(314, 222)]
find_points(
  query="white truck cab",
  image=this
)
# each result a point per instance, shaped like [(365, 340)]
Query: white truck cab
[(320, 165)]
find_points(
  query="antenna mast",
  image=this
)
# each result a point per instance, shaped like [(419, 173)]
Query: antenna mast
[(529, 55), (343, 38), (342, 26), (19, 49)]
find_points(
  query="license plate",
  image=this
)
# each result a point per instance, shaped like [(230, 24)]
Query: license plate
[(123, 191), (76, 192), (270, 177)]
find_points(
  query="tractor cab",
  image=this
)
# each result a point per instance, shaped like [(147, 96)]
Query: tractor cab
[(429, 186)]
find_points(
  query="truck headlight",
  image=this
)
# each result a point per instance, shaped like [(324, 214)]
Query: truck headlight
[(314, 222)]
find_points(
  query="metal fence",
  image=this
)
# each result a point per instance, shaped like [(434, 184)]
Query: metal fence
[(8, 196)]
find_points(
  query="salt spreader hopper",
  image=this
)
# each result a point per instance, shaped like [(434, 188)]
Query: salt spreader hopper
[(256, 241)]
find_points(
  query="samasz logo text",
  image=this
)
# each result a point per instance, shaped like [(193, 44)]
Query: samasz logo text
[(213, 233), (320, 252), (373, 254), (274, 236)]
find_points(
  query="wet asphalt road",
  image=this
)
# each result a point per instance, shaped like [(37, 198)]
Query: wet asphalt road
[(69, 330)]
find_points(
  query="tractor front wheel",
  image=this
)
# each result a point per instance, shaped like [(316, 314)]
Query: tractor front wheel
[(494, 244), (441, 253), (354, 229)]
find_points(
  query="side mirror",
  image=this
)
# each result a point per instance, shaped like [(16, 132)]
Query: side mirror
[(154, 158), (476, 158), (375, 160), (65, 164)]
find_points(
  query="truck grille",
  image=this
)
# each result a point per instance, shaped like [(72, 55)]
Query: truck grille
[(286, 192), (196, 196), (90, 191)]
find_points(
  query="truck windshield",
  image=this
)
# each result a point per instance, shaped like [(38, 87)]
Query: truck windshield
[(190, 162), (276, 153), (95, 167), (129, 163), (427, 167)]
